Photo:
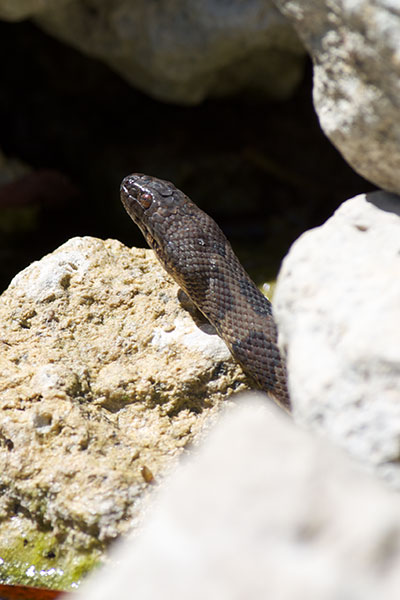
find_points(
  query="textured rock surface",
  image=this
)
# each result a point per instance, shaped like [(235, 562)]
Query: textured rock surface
[(337, 302), (263, 511), (181, 50), (355, 48), (14, 10), (102, 373)]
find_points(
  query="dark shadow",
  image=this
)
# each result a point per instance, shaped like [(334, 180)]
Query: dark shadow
[(386, 201)]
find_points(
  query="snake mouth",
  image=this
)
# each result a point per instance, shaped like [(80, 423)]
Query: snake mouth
[(129, 196), (136, 199), (126, 194), (151, 241), (135, 210)]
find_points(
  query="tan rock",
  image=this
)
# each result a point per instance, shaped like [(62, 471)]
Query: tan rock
[(104, 378)]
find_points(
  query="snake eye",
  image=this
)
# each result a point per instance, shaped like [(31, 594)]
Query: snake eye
[(145, 199)]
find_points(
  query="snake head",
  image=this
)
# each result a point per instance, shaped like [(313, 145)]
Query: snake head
[(185, 239), (150, 202)]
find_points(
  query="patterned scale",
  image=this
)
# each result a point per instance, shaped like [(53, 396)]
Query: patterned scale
[(196, 253)]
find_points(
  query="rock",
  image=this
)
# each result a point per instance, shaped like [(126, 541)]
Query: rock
[(14, 10), (355, 48), (264, 510), (337, 303), (104, 379), (179, 51)]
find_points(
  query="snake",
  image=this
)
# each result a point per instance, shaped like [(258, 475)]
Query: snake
[(197, 255)]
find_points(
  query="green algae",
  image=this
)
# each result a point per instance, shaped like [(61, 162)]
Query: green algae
[(32, 557)]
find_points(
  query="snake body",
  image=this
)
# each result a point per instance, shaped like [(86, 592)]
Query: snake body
[(195, 252)]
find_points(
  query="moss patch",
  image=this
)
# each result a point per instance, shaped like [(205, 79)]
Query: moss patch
[(32, 557)]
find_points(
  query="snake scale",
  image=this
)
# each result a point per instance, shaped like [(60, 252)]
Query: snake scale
[(194, 251)]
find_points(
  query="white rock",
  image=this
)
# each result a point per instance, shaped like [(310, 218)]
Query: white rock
[(263, 511), (337, 303), (42, 280), (355, 46), (204, 340)]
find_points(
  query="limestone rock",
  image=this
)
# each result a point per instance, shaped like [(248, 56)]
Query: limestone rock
[(355, 47), (264, 510), (181, 50), (104, 378), (337, 303)]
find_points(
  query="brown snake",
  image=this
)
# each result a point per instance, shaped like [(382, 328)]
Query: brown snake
[(194, 251)]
